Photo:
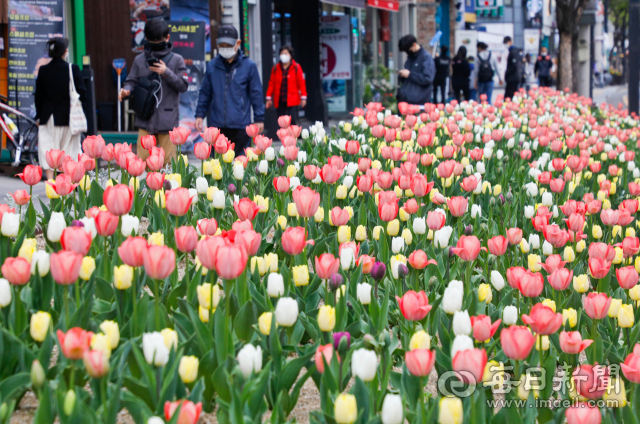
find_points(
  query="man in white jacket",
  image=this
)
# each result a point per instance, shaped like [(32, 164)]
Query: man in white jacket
[(487, 68)]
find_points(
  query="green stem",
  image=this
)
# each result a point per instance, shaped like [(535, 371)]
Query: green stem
[(66, 307), (134, 295), (157, 303)]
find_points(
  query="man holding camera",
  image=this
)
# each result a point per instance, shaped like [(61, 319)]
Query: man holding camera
[(157, 78)]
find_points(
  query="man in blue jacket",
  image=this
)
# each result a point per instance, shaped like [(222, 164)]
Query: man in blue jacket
[(418, 73), (231, 86)]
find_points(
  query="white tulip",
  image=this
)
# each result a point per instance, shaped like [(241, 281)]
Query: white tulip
[(364, 293), (452, 297), (5, 293), (364, 363), (547, 199), (348, 181), (510, 315), (528, 211), (250, 359), (476, 210), (286, 312), (547, 248), (202, 185), (270, 154), (499, 154), (194, 197), (352, 168), (275, 285), (497, 280), (461, 342), (461, 323), (174, 184), (302, 156), (636, 173), (154, 349), (397, 244), (304, 134), (130, 224), (90, 226), (238, 171), (10, 224), (263, 167), (534, 241), (532, 189), (40, 258), (419, 225), (555, 211), (392, 409), (56, 226), (442, 236), (281, 151), (347, 259), (155, 420), (480, 167), (293, 183), (218, 201)]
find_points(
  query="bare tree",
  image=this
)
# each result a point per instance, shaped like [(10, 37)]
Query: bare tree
[(568, 14)]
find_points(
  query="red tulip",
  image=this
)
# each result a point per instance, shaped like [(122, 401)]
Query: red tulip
[(517, 342), (483, 330), (339, 216), (326, 265), (571, 342), (420, 362), (470, 364), (31, 175), (16, 270), (106, 223), (414, 306), (65, 267), (231, 260), (179, 135), (596, 305), (307, 201), (21, 197), (418, 259), (591, 381), (627, 277), (543, 320), (189, 412), (583, 413), (281, 184), (599, 268), (118, 199), (55, 158), (324, 354), (250, 240), (186, 238), (457, 206), (246, 209), (76, 239), (75, 342), (467, 248), (178, 201), (159, 261), (131, 251), (631, 365), (155, 180), (294, 240), (497, 245)]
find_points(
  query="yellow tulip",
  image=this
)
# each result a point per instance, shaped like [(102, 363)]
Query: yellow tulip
[(619, 256), (282, 222), (570, 315), (291, 171), (493, 374), (420, 340), (407, 235), (160, 199), (533, 262), (188, 369), (545, 343), (580, 246), (345, 409), (112, 331), (300, 275), (203, 313), (87, 268), (376, 232), (484, 293), (361, 233), (102, 343), (28, 247), (581, 283), (264, 323), (257, 261), (50, 191), (344, 234), (569, 255), (291, 210), (271, 262), (625, 316), (550, 303), (616, 395), (393, 227), (341, 192), (263, 202), (229, 156), (156, 239), (204, 292), (319, 215), (122, 277), (614, 307), (450, 411), (170, 338), (596, 232), (39, 326), (326, 318), (634, 293)]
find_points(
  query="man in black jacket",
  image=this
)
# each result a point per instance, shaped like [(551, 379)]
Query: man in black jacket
[(443, 64), (513, 75), (543, 68), (418, 73)]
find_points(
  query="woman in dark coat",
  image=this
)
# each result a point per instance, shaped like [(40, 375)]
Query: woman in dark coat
[(460, 76)]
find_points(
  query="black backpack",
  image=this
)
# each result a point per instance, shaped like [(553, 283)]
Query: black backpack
[(144, 96), (485, 73)]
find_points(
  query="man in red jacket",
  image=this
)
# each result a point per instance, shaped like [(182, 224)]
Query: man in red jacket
[(287, 89)]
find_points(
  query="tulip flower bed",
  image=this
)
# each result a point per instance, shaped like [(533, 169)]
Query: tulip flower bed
[(492, 246)]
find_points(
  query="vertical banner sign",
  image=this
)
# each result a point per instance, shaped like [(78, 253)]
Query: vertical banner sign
[(188, 40), (141, 12), (31, 24), (335, 34)]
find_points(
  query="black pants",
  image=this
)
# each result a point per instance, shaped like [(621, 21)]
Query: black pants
[(545, 81), (289, 110), (510, 90), (464, 88), (442, 86), (237, 136)]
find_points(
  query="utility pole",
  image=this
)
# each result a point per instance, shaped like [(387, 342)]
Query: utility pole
[(634, 56)]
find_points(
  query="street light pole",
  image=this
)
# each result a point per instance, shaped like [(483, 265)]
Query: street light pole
[(634, 56)]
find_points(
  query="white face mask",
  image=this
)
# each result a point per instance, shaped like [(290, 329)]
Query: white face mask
[(227, 52), (285, 58)]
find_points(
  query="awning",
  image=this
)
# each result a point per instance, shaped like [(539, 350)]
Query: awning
[(391, 5), (360, 4)]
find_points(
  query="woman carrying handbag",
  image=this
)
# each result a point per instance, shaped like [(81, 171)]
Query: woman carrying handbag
[(59, 96)]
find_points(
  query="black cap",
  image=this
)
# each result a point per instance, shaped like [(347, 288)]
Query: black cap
[(227, 34)]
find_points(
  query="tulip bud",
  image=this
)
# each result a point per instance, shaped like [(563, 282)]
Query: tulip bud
[(335, 281), (4, 409), (69, 402), (37, 374), (468, 230), (403, 271), (231, 189), (166, 185), (378, 271)]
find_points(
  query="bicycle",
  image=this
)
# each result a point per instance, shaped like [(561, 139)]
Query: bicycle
[(22, 136)]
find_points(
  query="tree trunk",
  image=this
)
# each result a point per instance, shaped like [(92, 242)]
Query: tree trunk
[(565, 71), (575, 62)]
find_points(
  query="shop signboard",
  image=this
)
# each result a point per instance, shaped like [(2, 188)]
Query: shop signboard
[(31, 24), (335, 32)]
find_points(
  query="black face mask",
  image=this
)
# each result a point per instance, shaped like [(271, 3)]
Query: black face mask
[(156, 47)]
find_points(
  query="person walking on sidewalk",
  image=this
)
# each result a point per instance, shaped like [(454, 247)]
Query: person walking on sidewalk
[(230, 88), (287, 89), (514, 73), (165, 73), (487, 69), (543, 68), (443, 65), (460, 76)]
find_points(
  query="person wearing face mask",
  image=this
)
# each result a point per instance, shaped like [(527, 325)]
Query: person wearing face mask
[(52, 101), (287, 89), (167, 69), (418, 73), (230, 88)]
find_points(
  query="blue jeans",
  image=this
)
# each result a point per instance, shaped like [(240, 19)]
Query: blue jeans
[(485, 88)]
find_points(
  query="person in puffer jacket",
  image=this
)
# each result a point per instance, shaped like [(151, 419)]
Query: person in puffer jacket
[(418, 73)]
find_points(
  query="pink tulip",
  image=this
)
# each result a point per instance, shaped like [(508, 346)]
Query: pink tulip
[(388, 210), (75, 342), (250, 240), (262, 143), (517, 342), (252, 130), (246, 209), (281, 184), (575, 222), (210, 135), (435, 220), (148, 142), (307, 201), (106, 223), (514, 276), (531, 284), (284, 121), (155, 180), (414, 306), (609, 217), (93, 146), (231, 260), (96, 363), (630, 246), (189, 412), (469, 183), (323, 355), (206, 251), (55, 158), (21, 197), (294, 240), (339, 216), (514, 236), (552, 263), (207, 227), (118, 199), (420, 186), (76, 239), (63, 185), (591, 380), (583, 413), (186, 238), (596, 305), (467, 248), (179, 135), (178, 201), (483, 330), (75, 170), (16, 270), (497, 245), (599, 268), (602, 251), (310, 172), (420, 362), (155, 161), (131, 251), (571, 342), (542, 319), (159, 261), (31, 175), (470, 364), (326, 265), (627, 277), (631, 365), (65, 267), (418, 259), (457, 206), (329, 174), (560, 278)]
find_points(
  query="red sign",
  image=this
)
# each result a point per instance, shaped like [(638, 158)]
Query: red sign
[(392, 5)]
